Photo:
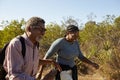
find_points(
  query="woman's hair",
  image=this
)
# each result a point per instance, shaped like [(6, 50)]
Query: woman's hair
[(71, 28)]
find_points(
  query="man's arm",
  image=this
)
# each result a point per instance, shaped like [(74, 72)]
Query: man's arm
[(46, 62), (50, 61)]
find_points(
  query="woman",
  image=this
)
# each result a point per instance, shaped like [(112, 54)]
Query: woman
[(67, 49)]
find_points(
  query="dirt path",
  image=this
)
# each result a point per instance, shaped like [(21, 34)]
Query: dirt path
[(96, 76)]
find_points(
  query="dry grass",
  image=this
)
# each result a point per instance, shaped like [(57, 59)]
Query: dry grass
[(95, 76)]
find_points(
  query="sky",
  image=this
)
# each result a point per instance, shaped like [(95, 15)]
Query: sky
[(57, 10)]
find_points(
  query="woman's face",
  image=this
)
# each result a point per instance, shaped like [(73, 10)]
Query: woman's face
[(72, 36)]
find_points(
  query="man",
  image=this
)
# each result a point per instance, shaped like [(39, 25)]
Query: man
[(17, 67)]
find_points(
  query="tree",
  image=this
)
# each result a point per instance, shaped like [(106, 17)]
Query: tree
[(10, 31), (53, 32), (69, 20), (117, 22)]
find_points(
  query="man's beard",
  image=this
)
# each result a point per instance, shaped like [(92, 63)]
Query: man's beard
[(38, 38)]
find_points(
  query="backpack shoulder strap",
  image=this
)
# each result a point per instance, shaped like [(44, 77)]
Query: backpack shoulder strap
[(2, 53), (22, 40)]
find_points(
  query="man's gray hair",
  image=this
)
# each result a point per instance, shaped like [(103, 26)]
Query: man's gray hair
[(33, 22)]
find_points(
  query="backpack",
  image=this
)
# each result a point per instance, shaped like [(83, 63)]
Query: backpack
[(2, 56)]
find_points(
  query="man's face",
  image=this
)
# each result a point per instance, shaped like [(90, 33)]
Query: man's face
[(39, 32)]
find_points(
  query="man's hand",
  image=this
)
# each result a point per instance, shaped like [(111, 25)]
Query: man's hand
[(57, 66)]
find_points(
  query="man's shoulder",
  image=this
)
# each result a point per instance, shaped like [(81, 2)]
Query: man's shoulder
[(15, 40)]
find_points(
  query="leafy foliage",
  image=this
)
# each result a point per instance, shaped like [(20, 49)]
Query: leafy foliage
[(53, 32), (10, 31), (98, 41)]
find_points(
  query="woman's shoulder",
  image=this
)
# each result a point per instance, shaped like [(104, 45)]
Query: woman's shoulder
[(59, 40)]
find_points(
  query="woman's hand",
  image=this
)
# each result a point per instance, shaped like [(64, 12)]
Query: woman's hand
[(95, 65)]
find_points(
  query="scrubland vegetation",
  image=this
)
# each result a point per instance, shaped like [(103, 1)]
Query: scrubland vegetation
[(100, 42)]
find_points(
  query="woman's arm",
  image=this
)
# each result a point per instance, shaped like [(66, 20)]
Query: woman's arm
[(84, 59), (55, 46)]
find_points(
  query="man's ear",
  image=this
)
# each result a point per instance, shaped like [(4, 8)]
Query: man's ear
[(29, 29)]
